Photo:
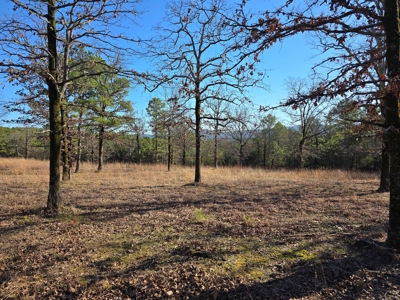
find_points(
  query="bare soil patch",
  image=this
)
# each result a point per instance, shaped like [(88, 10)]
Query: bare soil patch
[(139, 232)]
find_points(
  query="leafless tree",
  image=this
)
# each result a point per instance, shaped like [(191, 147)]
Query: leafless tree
[(217, 119), (244, 126), (306, 116), (197, 52)]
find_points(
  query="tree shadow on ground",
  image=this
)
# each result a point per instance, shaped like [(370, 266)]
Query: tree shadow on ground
[(368, 270), (368, 274), (132, 203), (365, 270)]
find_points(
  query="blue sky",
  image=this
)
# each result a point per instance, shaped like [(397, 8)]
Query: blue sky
[(292, 58)]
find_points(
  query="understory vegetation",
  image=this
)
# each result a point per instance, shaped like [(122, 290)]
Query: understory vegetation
[(139, 232)]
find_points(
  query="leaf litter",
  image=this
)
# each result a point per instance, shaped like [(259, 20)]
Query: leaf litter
[(288, 239)]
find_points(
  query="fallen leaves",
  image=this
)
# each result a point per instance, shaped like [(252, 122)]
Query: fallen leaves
[(301, 238)]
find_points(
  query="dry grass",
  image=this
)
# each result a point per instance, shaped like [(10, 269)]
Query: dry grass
[(140, 232)]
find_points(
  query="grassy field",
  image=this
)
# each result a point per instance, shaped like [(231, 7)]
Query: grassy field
[(140, 232)]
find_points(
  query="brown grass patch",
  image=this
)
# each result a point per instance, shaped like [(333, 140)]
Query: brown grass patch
[(140, 232)]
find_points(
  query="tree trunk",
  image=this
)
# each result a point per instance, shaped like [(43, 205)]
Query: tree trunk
[(70, 156), (197, 174), (301, 145), (79, 153), (101, 146), (184, 150), (385, 169), (241, 156), (54, 199), (139, 149), (216, 145), (392, 29), (265, 154), (156, 150), (65, 144), (169, 149), (92, 151), (316, 153), (345, 167), (26, 143)]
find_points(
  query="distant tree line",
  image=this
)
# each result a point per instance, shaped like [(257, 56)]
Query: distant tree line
[(310, 137)]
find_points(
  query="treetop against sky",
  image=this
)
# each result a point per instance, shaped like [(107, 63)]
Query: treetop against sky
[(292, 58)]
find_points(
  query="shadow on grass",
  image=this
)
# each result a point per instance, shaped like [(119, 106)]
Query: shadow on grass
[(362, 274), (367, 271), (365, 267)]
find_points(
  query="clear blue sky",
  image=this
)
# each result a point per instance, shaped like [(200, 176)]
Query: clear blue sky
[(291, 58)]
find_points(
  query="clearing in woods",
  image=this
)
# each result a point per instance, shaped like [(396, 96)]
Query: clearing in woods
[(140, 232)]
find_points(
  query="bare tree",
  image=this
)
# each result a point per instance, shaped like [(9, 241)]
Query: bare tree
[(41, 36), (243, 127), (217, 111), (306, 116), (197, 52)]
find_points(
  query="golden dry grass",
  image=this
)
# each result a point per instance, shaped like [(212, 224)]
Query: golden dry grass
[(138, 231)]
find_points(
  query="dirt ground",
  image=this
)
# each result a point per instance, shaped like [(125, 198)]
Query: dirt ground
[(139, 232)]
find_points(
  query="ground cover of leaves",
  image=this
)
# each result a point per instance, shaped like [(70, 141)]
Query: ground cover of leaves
[(139, 232)]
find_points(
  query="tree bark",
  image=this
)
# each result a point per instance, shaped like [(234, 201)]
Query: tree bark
[(265, 153), (216, 144), (301, 145), (392, 29), (385, 169), (156, 146), (101, 146), (139, 149), (26, 143), (54, 199), (79, 153), (197, 174), (184, 150), (169, 149), (241, 155), (65, 161)]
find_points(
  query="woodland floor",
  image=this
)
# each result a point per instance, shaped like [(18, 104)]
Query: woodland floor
[(139, 232)]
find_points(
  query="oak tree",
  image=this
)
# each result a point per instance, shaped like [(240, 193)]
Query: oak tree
[(39, 39), (197, 52), (343, 20)]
